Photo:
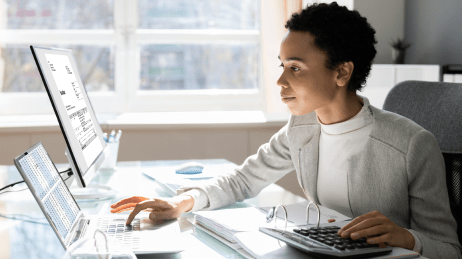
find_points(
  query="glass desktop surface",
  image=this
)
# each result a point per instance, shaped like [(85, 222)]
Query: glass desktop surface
[(25, 233)]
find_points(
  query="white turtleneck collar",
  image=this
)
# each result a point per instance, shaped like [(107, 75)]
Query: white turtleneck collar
[(360, 120)]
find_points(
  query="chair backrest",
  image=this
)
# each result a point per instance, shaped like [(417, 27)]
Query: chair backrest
[(437, 107)]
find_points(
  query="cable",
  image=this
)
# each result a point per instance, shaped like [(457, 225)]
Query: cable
[(25, 220), (15, 191), (12, 216), (67, 177), (68, 171)]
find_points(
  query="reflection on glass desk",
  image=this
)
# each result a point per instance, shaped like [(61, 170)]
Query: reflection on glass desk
[(25, 233)]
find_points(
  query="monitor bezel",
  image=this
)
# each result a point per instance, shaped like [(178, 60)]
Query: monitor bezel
[(76, 166)]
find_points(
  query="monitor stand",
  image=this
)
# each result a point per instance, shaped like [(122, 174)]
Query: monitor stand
[(90, 191)]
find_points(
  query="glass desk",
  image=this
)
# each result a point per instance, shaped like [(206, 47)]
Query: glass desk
[(25, 233)]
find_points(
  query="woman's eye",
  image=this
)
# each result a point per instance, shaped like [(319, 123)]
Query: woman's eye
[(295, 69), (282, 65)]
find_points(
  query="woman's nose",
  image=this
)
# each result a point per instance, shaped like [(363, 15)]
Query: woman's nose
[(282, 82)]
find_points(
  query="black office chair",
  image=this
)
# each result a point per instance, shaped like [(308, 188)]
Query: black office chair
[(437, 107)]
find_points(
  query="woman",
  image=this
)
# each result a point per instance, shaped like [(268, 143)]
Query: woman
[(379, 167)]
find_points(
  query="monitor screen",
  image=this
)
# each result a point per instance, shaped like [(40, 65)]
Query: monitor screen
[(83, 134)]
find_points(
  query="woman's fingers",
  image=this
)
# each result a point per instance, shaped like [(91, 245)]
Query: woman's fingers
[(123, 207), (120, 211), (134, 199), (165, 214), (374, 231), (161, 209), (367, 227), (357, 220), (144, 205)]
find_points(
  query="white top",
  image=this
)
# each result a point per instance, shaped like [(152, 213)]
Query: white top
[(337, 143)]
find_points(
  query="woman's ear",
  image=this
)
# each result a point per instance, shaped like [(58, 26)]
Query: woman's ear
[(345, 70)]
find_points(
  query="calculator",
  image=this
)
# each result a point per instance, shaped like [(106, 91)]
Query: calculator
[(325, 243)]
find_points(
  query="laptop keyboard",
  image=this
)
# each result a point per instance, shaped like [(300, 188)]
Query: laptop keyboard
[(115, 227)]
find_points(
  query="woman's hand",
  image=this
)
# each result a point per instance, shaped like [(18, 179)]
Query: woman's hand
[(373, 224), (161, 209)]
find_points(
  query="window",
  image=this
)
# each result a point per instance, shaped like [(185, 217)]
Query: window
[(136, 56)]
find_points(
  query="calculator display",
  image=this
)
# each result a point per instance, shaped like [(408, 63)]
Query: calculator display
[(50, 189)]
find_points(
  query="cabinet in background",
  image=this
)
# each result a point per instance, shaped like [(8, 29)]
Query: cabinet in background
[(383, 77)]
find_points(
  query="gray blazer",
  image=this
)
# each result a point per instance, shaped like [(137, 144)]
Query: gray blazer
[(400, 173)]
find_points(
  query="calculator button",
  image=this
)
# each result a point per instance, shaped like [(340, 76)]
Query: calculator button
[(358, 245), (315, 228), (313, 232), (333, 227), (297, 230), (321, 239), (350, 246), (338, 242), (340, 247), (328, 242), (303, 233)]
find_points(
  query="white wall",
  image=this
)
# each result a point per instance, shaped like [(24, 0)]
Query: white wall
[(153, 143), (387, 18), (434, 28)]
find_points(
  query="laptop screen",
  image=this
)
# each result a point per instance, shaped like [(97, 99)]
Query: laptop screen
[(48, 188)]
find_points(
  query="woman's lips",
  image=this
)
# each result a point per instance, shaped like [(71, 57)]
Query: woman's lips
[(287, 99)]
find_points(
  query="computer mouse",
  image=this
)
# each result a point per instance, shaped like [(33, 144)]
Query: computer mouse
[(190, 168)]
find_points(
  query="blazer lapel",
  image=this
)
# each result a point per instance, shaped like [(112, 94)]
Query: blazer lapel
[(308, 156), (304, 142)]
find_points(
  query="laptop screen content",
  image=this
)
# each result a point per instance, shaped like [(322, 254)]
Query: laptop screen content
[(48, 188)]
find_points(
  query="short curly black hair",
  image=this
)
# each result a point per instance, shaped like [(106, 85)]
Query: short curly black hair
[(343, 34)]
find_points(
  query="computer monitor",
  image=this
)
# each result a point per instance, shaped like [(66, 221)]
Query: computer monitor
[(85, 146)]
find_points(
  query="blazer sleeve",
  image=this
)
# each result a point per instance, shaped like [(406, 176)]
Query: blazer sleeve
[(269, 164), (431, 218)]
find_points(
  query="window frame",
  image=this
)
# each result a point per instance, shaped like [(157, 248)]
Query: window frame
[(126, 39)]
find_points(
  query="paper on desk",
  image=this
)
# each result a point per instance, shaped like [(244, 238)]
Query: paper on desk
[(296, 214), (257, 243), (235, 246), (243, 219), (209, 171), (242, 225), (167, 175), (232, 219)]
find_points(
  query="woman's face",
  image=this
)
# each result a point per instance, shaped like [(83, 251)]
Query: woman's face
[(306, 84)]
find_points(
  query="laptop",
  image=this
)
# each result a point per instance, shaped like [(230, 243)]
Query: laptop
[(69, 222)]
